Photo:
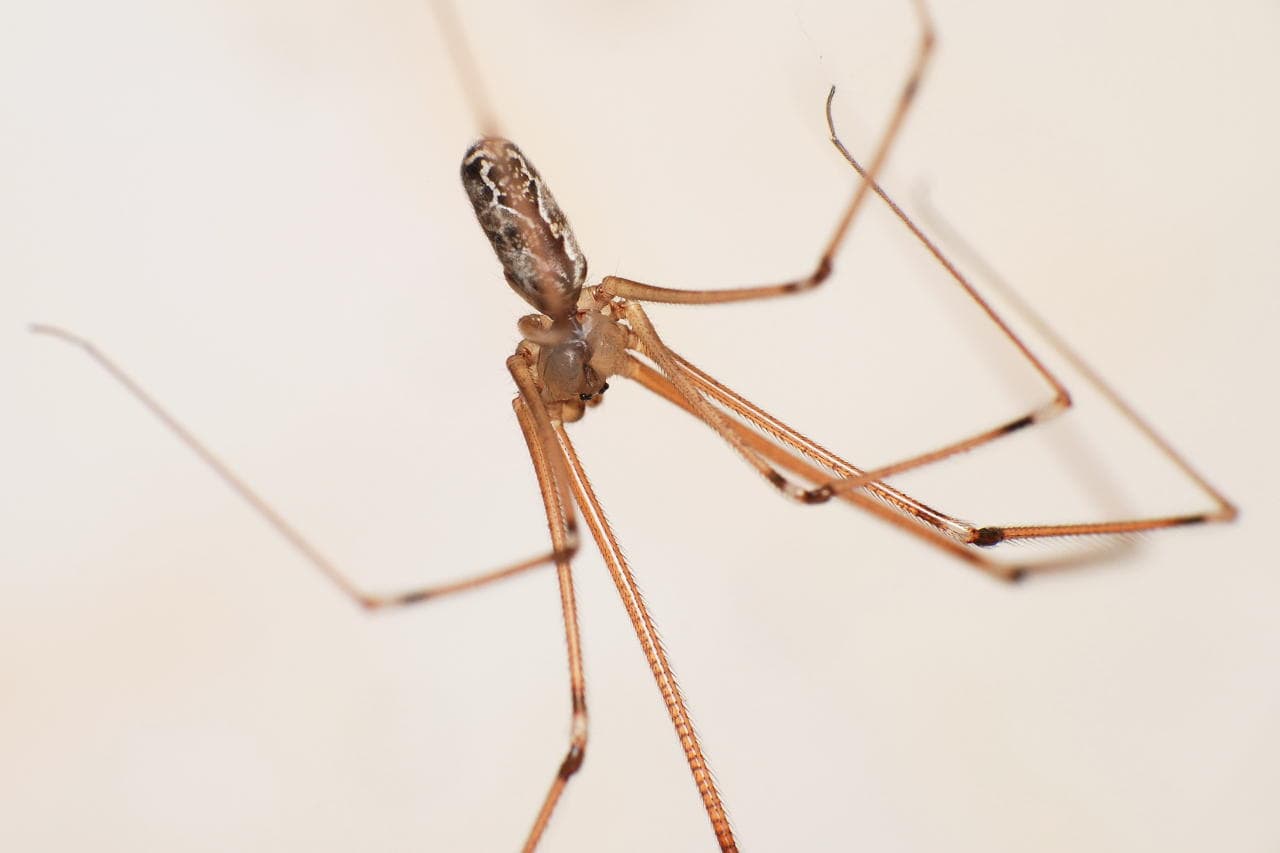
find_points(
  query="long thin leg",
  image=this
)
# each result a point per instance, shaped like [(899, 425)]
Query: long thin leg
[(554, 500), (650, 642), (614, 286), (692, 384), (548, 466), (669, 362), (957, 529), (798, 442), (367, 600), (464, 63), (1225, 510), (651, 345), (893, 506)]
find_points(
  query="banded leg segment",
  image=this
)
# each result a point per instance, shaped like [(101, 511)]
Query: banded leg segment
[(626, 288), (300, 543), (692, 384), (1223, 510), (889, 504), (650, 642), (948, 532), (549, 468), (553, 499), (652, 346), (852, 479), (613, 286), (740, 406)]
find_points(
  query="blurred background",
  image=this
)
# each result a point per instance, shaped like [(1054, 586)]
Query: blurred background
[(254, 207)]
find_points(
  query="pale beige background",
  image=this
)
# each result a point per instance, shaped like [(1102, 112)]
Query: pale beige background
[(254, 206)]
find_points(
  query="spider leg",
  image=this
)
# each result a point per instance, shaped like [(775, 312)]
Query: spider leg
[(1223, 509), (648, 343), (851, 479), (694, 384), (650, 642), (548, 465), (612, 286), (802, 458), (788, 449), (304, 546)]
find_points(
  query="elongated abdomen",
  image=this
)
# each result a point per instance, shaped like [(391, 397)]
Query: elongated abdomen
[(529, 233)]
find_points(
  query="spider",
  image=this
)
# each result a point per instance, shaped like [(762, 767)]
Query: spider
[(584, 335)]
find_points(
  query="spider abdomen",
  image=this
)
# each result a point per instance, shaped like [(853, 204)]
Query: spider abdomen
[(529, 233)]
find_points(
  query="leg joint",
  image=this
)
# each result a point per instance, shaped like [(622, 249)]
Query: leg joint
[(574, 757)]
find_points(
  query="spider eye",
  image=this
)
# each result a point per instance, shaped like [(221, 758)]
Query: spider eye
[(586, 397)]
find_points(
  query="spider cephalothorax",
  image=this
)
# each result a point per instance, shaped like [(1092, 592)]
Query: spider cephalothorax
[(576, 346)]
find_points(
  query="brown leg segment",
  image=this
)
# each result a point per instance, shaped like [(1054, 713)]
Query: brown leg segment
[(691, 384), (653, 347), (367, 600), (549, 467), (798, 442), (694, 384), (650, 642), (1223, 510), (947, 532), (614, 286), (889, 504), (556, 523)]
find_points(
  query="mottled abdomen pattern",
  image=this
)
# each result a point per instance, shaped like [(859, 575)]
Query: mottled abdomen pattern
[(529, 233)]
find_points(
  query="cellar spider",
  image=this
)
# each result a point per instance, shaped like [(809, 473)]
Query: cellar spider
[(623, 343)]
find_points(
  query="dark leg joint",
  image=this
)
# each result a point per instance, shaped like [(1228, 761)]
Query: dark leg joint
[(373, 603), (821, 273), (985, 537), (1014, 426), (411, 598), (817, 496), (573, 761)]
